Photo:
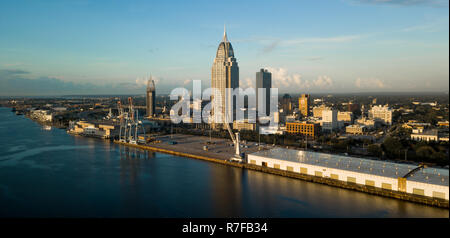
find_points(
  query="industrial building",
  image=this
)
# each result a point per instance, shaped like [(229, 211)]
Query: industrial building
[(418, 180), (95, 129)]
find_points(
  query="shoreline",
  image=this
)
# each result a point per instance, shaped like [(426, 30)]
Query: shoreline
[(441, 203), (434, 202)]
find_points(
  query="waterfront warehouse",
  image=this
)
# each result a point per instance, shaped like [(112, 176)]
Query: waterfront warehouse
[(408, 178)]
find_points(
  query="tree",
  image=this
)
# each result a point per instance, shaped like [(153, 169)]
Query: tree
[(392, 147), (375, 150)]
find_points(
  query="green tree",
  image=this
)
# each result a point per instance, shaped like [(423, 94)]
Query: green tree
[(374, 150), (392, 147)]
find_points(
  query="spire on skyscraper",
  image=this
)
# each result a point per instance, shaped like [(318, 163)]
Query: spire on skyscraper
[(224, 34), (150, 84)]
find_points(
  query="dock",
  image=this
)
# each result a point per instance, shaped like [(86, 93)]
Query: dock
[(219, 151)]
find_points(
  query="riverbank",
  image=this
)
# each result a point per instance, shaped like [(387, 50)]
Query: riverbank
[(327, 181), (220, 151)]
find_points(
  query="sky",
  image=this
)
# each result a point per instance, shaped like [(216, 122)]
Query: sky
[(57, 47)]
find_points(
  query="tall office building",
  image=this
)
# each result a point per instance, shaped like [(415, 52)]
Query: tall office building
[(329, 120), (224, 74), (150, 102), (286, 104), (303, 104), (263, 80)]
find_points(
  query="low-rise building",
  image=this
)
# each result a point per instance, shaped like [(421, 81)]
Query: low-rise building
[(244, 125), (303, 128), (101, 130), (407, 178), (443, 123), (427, 135), (369, 123), (42, 115), (317, 111), (345, 117), (356, 129)]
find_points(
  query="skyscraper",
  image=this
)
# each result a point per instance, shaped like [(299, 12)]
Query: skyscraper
[(263, 80), (150, 102), (224, 74), (286, 104), (303, 104)]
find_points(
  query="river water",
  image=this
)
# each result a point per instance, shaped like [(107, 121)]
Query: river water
[(48, 173)]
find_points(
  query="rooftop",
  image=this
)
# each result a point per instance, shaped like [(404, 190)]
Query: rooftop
[(435, 176)]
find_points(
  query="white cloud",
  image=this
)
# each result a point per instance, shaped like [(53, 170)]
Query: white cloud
[(323, 82), (142, 82), (371, 83), (285, 81), (247, 83), (187, 81)]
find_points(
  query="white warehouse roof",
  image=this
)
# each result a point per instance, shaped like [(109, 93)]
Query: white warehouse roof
[(435, 176)]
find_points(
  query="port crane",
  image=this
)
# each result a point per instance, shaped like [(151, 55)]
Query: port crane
[(235, 139), (129, 124)]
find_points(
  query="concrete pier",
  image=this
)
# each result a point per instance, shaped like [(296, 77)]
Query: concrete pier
[(187, 147)]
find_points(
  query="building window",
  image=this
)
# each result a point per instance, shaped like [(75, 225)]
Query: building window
[(290, 168), (351, 179), (370, 183), (303, 170), (318, 173), (386, 186), (334, 176), (438, 195), (276, 166), (418, 191), (264, 164), (252, 161)]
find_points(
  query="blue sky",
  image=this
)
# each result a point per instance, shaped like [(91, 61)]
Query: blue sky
[(76, 47)]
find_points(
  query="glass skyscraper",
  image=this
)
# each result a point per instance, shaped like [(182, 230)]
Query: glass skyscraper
[(263, 80)]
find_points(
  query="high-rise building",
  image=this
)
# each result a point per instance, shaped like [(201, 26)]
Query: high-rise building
[(317, 111), (351, 107), (382, 113), (345, 117), (224, 74), (263, 80), (286, 104), (150, 102), (329, 120), (303, 104)]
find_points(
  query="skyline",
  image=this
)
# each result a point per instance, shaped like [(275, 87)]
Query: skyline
[(84, 47)]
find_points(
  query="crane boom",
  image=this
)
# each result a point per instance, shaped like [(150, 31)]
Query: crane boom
[(233, 138), (230, 132)]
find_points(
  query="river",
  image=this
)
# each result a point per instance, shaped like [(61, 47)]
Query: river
[(48, 173)]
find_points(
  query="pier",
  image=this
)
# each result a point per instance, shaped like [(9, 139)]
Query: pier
[(191, 147)]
